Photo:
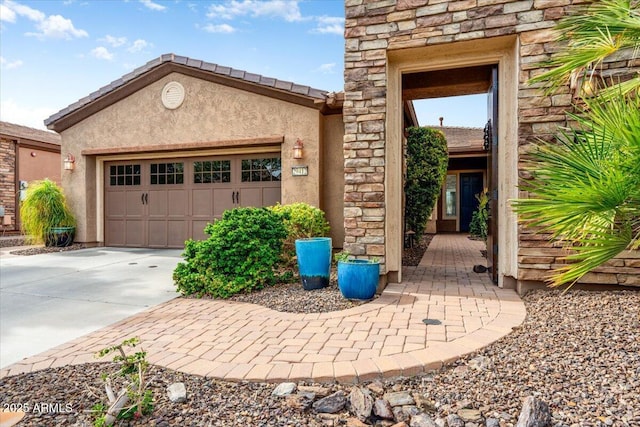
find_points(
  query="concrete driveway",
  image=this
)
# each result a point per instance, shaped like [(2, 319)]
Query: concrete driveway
[(49, 299)]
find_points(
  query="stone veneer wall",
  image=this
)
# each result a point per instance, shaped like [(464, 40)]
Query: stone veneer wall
[(8, 179), (374, 27)]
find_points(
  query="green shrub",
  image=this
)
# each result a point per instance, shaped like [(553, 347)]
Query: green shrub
[(427, 160), (241, 254), (301, 220), (44, 207), (480, 219)]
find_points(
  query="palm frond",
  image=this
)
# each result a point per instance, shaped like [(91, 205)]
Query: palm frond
[(594, 33)]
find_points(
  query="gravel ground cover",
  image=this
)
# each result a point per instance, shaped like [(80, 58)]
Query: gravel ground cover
[(579, 352)]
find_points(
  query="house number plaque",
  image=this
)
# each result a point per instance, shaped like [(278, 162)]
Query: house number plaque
[(300, 170)]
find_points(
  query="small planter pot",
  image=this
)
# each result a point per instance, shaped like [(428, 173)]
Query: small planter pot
[(358, 278), (60, 236), (314, 262)]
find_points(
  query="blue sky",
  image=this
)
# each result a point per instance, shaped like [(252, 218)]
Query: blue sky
[(53, 53)]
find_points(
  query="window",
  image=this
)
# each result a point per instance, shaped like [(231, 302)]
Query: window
[(260, 170), (212, 172), (167, 173), (123, 175), (450, 195)]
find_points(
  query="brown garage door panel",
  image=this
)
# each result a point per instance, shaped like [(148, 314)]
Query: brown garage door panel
[(162, 203)]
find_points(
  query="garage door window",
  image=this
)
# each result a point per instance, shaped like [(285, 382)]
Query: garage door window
[(261, 170), (212, 172), (121, 175), (167, 173)]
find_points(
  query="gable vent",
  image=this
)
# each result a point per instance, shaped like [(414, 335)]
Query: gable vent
[(172, 95)]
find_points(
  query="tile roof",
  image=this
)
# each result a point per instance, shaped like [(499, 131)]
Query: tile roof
[(196, 64), (462, 138), (24, 132)]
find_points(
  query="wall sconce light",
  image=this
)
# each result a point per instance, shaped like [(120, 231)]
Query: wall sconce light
[(33, 154), (69, 162), (585, 84), (297, 149)]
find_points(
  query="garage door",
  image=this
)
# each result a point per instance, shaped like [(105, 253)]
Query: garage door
[(161, 203)]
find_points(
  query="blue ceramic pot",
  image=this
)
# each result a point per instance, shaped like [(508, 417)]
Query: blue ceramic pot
[(314, 261), (358, 278)]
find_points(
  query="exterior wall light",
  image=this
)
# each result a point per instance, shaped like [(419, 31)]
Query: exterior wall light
[(69, 162), (297, 149)]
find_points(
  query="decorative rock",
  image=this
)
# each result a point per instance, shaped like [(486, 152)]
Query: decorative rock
[(480, 363), (317, 390), (331, 404), (470, 415), (177, 393), (535, 413), (441, 422), (422, 420), (284, 389), (399, 415), (453, 420), (376, 387), (302, 400), (399, 398), (460, 371), (424, 403), (492, 422), (382, 409), (355, 422), (411, 410), (361, 403), (400, 424)]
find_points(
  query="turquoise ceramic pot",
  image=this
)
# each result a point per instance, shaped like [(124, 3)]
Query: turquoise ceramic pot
[(358, 278), (314, 261)]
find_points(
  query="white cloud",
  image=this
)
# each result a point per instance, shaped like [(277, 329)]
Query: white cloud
[(139, 45), (26, 11), (33, 117), (327, 68), (153, 6), (329, 25), (52, 26), (221, 28), (7, 14), (58, 27), (102, 52), (113, 41), (229, 9), (10, 65)]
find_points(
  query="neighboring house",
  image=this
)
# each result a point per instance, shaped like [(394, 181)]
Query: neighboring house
[(26, 155), (165, 149)]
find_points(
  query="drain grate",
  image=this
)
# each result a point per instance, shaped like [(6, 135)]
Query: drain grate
[(431, 322), (153, 266)]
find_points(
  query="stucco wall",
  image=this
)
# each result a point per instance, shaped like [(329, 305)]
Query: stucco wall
[(333, 177), (45, 164), (210, 112), (383, 39)]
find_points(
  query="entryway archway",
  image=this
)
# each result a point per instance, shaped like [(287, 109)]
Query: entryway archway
[(487, 66)]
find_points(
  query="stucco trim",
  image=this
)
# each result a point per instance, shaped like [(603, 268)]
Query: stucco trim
[(170, 148)]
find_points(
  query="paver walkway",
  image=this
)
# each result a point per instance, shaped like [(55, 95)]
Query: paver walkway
[(384, 338)]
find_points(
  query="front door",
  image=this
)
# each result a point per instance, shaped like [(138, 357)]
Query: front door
[(470, 186)]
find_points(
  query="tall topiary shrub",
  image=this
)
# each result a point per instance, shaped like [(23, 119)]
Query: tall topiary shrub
[(44, 208), (242, 254), (427, 160), (301, 220)]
